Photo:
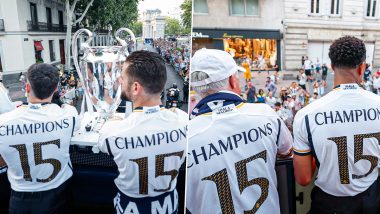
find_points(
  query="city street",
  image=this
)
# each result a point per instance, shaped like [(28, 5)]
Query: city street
[(173, 77), (285, 80)]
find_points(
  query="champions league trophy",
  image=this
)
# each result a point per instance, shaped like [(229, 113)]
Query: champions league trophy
[(99, 69)]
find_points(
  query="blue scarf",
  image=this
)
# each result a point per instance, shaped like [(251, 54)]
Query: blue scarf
[(227, 98)]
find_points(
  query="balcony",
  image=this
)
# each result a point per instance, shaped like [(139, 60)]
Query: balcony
[(2, 25), (45, 27)]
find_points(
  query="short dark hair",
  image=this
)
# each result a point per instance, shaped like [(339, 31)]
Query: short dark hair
[(277, 104), (147, 68), (347, 52), (43, 79)]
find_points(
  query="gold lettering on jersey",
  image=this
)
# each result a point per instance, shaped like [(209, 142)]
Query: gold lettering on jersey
[(347, 116), (222, 146), (34, 128)]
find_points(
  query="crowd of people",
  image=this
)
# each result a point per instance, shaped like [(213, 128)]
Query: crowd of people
[(310, 85), (178, 55)]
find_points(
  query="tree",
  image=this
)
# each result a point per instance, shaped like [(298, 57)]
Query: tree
[(186, 15), (115, 13), (137, 28), (71, 20), (172, 26)]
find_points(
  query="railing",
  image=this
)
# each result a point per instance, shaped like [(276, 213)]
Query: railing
[(2, 25), (45, 27), (49, 27)]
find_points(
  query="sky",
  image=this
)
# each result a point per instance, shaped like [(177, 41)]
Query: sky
[(168, 7)]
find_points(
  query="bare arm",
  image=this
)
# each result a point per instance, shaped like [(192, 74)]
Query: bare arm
[(304, 168)]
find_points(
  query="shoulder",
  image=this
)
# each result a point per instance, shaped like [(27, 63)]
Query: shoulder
[(316, 105), (12, 115), (261, 109), (67, 109), (175, 114)]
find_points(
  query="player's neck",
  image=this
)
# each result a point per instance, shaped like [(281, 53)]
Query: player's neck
[(34, 100), (345, 78), (147, 102)]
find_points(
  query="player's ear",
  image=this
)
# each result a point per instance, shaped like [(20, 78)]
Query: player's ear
[(361, 68), (136, 88), (27, 87), (332, 67)]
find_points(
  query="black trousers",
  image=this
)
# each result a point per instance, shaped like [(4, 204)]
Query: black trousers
[(365, 202), (45, 202)]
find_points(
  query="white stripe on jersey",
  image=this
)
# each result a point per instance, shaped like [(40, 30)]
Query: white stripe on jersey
[(231, 160), (343, 130)]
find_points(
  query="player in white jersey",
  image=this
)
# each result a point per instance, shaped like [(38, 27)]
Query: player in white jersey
[(34, 143), (232, 145), (341, 131), (149, 146)]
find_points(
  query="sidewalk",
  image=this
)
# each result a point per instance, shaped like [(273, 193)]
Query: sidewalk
[(285, 80)]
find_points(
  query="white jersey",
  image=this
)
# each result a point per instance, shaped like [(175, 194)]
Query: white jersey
[(342, 130), (307, 64), (149, 147), (6, 104), (231, 159), (34, 143)]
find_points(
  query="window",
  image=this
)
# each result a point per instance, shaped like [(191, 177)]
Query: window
[(51, 50), (200, 6), (244, 7), (371, 8), (33, 13), (335, 7), (48, 18), (315, 7)]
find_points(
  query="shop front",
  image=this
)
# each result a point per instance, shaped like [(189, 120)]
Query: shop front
[(261, 48)]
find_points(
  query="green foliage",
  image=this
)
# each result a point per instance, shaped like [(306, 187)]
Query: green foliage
[(172, 26), (186, 15), (137, 28), (116, 13)]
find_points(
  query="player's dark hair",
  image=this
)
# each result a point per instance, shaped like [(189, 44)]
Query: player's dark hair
[(43, 79), (148, 69), (315, 93), (347, 52), (277, 104)]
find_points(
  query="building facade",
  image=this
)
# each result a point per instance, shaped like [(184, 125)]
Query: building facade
[(310, 26), (31, 31), (153, 24), (284, 31), (245, 28)]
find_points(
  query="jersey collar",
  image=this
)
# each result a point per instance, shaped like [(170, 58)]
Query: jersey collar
[(348, 86)]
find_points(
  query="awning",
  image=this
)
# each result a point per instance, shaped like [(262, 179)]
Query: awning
[(38, 45)]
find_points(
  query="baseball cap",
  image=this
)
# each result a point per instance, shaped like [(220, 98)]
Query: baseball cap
[(217, 64)]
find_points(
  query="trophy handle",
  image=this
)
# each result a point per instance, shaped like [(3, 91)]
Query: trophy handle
[(84, 46), (122, 41)]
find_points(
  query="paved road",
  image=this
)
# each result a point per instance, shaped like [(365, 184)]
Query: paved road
[(173, 77)]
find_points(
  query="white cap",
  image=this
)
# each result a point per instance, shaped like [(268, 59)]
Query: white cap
[(219, 65)]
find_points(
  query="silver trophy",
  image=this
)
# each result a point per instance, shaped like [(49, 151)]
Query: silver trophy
[(99, 69)]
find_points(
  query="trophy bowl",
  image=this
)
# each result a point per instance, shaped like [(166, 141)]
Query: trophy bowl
[(99, 69)]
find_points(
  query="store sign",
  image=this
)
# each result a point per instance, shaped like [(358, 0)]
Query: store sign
[(225, 35), (199, 35)]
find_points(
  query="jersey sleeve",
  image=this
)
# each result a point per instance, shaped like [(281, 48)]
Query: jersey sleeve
[(103, 144), (284, 139), (301, 144)]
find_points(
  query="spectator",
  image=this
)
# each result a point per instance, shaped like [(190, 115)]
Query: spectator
[(261, 96), (251, 93), (270, 100), (302, 79), (270, 86), (315, 97)]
